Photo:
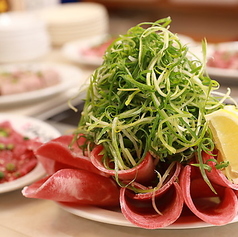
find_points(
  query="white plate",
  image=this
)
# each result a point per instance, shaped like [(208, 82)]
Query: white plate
[(223, 74), (70, 77), (32, 128), (16, 22), (73, 51), (117, 218), (220, 72)]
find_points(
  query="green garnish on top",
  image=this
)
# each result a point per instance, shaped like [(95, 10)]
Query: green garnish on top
[(149, 94)]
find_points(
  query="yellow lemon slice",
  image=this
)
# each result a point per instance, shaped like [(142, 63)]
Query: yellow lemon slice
[(224, 127)]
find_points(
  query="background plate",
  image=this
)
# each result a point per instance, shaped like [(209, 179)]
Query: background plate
[(70, 77), (73, 50), (33, 128)]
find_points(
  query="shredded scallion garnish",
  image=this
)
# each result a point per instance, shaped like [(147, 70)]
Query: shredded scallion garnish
[(149, 95)]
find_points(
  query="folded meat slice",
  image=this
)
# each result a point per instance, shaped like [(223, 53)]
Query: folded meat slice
[(75, 186), (57, 154), (143, 172), (217, 208), (160, 211)]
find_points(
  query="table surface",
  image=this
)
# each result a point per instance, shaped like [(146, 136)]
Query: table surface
[(20, 216)]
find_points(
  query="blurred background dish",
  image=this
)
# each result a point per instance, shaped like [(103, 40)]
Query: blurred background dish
[(222, 61), (76, 51), (32, 128), (23, 37), (69, 77), (74, 21)]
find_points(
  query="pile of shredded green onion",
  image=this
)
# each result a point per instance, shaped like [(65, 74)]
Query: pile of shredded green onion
[(150, 95)]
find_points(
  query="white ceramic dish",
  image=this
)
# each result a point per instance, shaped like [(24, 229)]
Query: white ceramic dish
[(70, 77), (117, 218), (73, 50), (32, 128)]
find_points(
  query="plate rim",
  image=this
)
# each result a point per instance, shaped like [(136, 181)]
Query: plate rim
[(222, 73), (116, 218)]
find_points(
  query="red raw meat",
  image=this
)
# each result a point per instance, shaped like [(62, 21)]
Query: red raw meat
[(16, 154), (216, 209), (75, 186), (142, 173), (13, 136), (215, 175), (142, 213), (170, 179), (56, 154)]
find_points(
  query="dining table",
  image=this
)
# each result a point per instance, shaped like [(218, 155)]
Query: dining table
[(25, 217)]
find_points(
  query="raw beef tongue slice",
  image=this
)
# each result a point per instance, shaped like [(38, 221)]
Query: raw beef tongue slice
[(216, 175), (75, 186), (143, 172), (142, 212), (216, 209), (56, 154), (170, 179)]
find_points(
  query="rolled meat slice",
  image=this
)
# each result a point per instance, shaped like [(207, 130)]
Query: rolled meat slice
[(142, 173), (170, 177), (165, 211), (217, 208), (75, 186)]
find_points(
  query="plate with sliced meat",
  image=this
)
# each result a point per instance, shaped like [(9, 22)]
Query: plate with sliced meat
[(19, 137), (87, 51), (223, 61), (20, 82), (79, 185)]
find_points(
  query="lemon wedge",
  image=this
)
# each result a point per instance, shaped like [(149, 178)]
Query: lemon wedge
[(224, 127)]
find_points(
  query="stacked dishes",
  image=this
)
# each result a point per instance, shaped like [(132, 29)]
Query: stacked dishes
[(23, 36), (72, 21)]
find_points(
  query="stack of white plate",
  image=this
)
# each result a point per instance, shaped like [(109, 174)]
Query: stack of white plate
[(73, 21), (23, 37)]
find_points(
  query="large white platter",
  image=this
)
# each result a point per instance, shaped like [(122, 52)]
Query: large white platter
[(117, 218), (71, 76), (32, 128)]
